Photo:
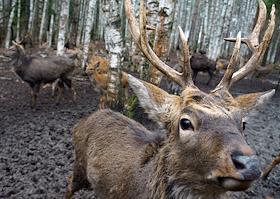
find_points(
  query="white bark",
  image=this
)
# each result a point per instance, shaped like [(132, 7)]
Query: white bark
[(42, 27), (62, 26), (163, 30), (114, 44), (1, 18), (88, 28), (31, 14), (50, 35), (11, 17), (18, 20), (81, 20)]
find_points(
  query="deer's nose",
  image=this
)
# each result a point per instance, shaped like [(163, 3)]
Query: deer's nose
[(247, 166)]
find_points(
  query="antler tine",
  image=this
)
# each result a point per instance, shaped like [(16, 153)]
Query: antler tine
[(226, 80), (253, 39), (258, 54), (140, 38), (258, 50), (187, 70)]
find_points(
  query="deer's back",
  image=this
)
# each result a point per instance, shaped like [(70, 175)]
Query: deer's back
[(111, 148), (37, 69)]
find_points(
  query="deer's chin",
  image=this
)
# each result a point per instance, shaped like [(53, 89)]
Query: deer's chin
[(232, 184)]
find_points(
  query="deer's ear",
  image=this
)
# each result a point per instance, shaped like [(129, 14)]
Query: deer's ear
[(248, 102), (159, 104)]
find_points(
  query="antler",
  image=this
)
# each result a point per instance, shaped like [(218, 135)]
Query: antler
[(252, 41), (226, 80), (140, 37)]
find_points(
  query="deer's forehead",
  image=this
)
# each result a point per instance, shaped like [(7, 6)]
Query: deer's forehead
[(204, 105)]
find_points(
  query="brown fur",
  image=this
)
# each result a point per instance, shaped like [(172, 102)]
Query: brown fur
[(97, 70), (200, 62), (119, 158)]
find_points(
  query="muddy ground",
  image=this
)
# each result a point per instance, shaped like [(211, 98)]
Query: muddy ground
[(36, 152)]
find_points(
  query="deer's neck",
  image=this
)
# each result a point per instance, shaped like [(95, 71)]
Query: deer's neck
[(20, 61), (165, 184)]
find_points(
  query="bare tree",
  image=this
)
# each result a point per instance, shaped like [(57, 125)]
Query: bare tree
[(62, 26), (43, 21), (9, 27), (114, 44), (163, 29), (88, 28), (18, 20)]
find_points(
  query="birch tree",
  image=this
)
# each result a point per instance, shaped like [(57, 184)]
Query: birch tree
[(88, 28), (114, 44), (1, 19), (51, 27), (42, 26), (163, 29), (31, 14), (62, 26), (18, 20), (9, 27), (74, 22)]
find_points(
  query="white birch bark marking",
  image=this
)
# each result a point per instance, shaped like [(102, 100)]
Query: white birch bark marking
[(42, 26), (62, 26), (18, 20), (11, 17), (88, 28), (31, 14)]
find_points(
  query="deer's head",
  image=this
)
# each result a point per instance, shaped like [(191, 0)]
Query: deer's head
[(205, 129)]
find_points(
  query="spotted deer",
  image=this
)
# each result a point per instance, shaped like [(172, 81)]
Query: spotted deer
[(204, 153), (98, 71)]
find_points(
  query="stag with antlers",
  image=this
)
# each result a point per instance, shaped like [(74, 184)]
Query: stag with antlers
[(204, 154)]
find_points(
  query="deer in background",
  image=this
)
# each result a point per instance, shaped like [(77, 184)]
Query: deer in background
[(98, 71), (200, 62), (36, 71), (204, 154)]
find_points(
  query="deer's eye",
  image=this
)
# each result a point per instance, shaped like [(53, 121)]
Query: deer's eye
[(186, 124), (244, 125)]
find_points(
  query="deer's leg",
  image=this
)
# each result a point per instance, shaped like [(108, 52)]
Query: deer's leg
[(68, 82), (211, 74), (55, 87), (60, 88), (76, 181), (194, 75), (35, 88), (271, 166)]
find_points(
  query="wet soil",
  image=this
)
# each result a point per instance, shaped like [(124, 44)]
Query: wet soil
[(36, 152)]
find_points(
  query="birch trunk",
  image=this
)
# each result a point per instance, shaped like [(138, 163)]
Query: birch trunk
[(42, 26), (34, 12), (114, 45), (74, 22), (81, 19), (31, 14), (18, 20), (163, 29), (62, 26), (51, 28), (1, 20), (88, 28), (9, 27)]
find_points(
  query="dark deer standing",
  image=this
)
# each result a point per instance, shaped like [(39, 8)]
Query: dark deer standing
[(201, 63), (36, 71), (204, 154)]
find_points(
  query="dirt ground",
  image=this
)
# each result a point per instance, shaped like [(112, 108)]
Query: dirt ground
[(36, 152)]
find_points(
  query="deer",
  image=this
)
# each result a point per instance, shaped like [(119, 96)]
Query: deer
[(203, 154), (98, 70), (37, 71), (200, 62)]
